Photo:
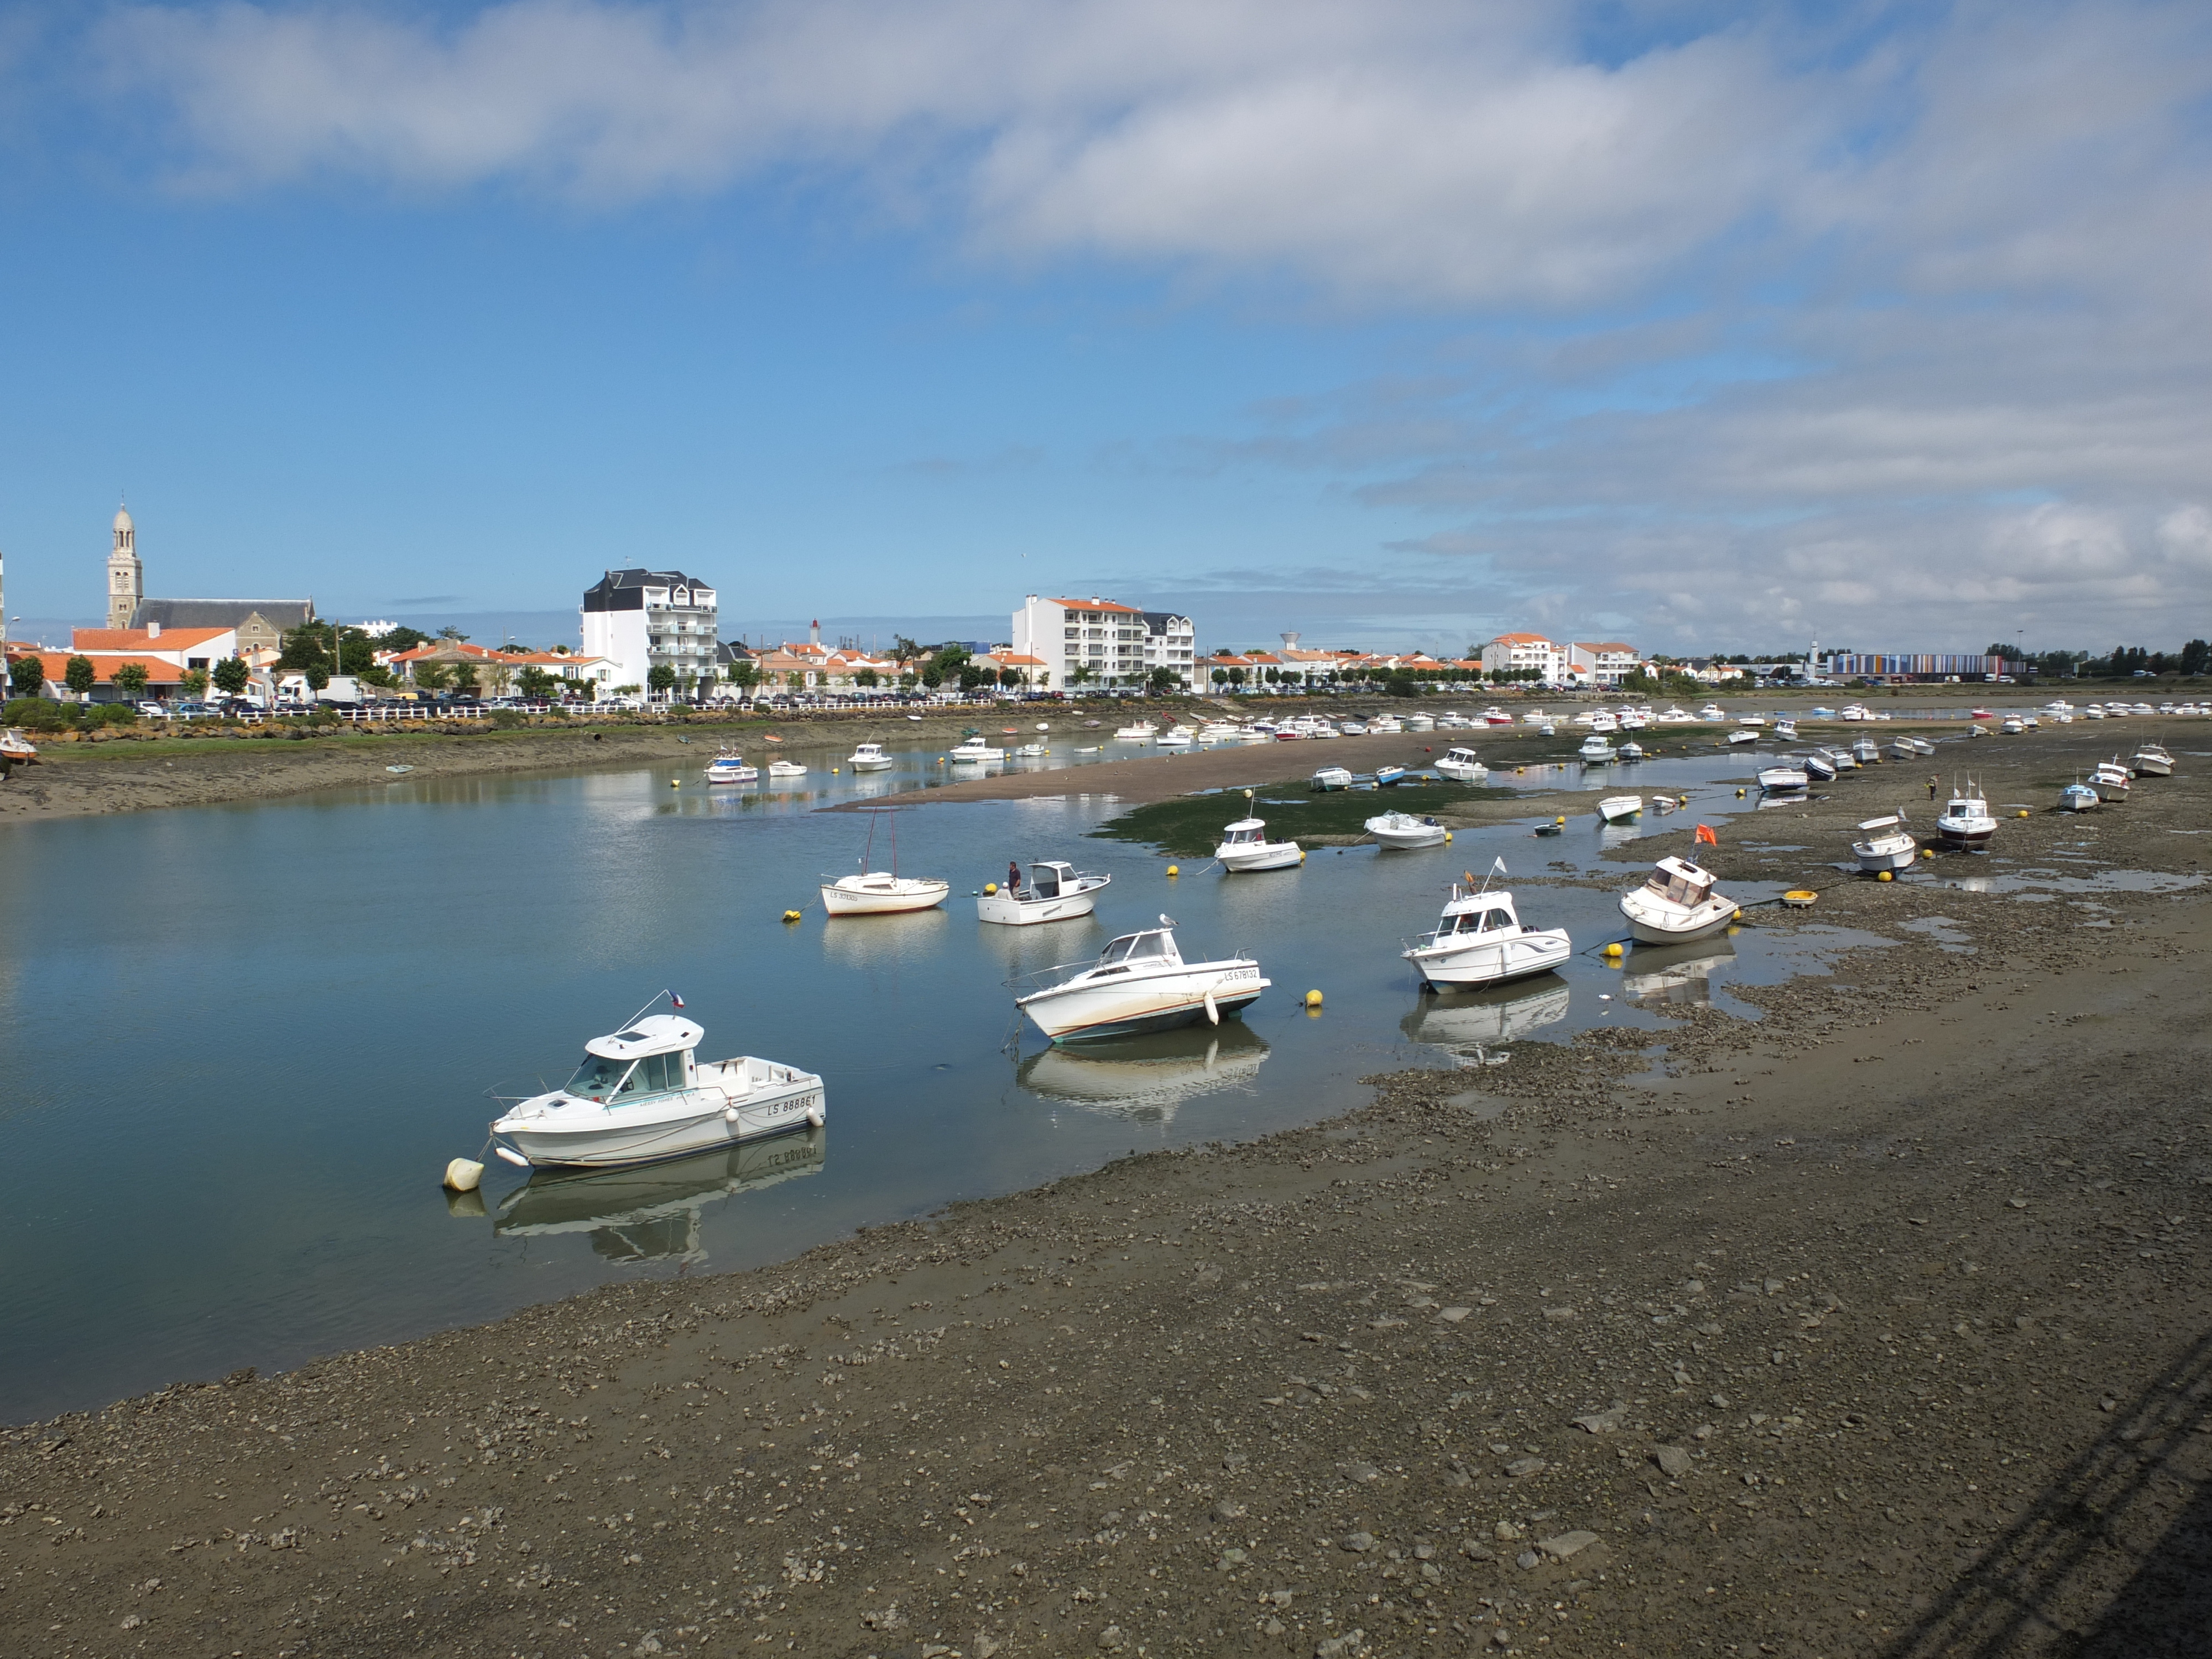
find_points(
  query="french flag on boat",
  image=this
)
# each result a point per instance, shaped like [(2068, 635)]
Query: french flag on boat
[(675, 1001)]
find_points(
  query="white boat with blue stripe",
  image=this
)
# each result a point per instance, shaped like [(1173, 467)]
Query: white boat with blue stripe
[(1141, 983)]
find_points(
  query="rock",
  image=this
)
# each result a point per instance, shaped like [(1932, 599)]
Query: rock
[(1226, 1510), (1475, 1552), (1526, 1559), (1235, 1460), (2017, 1203), (1231, 1558), (1358, 1543), (1273, 1627), (1500, 1639), (1693, 1287), (1362, 1471), (1718, 1403), (1522, 1466), (1341, 1646), (1672, 1460), (1506, 1532), (1567, 1544), (1458, 1478), (1454, 1315), (984, 1646), (1605, 1422), (648, 1643), (1279, 1598), (1560, 1313), (1773, 1287), (131, 1621), (1111, 1638)]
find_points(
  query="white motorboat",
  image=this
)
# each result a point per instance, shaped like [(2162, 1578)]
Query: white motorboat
[(1818, 766), (975, 751), (1385, 725), (1888, 845), (2094, 711), (1352, 728), (1712, 711), (1618, 809), (1053, 892), (1976, 729), (1420, 723), (2077, 797), (1841, 759), (1481, 940), (1676, 904), (1220, 732), (642, 1094), (881, 892), (1175, 737), (1853, 711), (1965, 822), (2152, 760), (1597, 748), (1461, 765), (2059, 705), (1921, 745), (1903, 749), (1141, 983), (1030, 751), (731, 768), (1406, 832), (2112, 780), (1389, 777), (1741, 735), (786, 769), (868, 757), (1866, 753), (1677, 715), (15, 748), (1245, 847), (1631, 752), (1784, 778), (1786, 729), (1331, 777), (1137, 732)]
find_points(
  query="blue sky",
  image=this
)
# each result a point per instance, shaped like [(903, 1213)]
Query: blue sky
[(1396, 325)]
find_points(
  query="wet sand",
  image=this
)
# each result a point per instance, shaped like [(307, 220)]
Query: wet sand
[(1875, 1325)]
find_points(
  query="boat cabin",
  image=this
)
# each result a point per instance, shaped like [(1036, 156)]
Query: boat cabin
[(1681, 882), (1245, 832), (1047, 878), (1153, 948), (653, 1057), (1462, 755), (1468, 913)]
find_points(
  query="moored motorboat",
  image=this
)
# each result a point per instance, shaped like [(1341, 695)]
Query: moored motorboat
[(2077, 797), (1618, 809), (973, 750), (1741, 735), (1866, 753), (1631, 750), (1784, 778), (727, 768), (1245, 847), (868, 757), (1387, 776), (1786, 729), (1141, 983), (2112, 780), (786, 769), (1461, 765), (16, 748), (1965, 823), (1903, 749), (1818, 767), (1480, 940), (1597, 748), (1330, 778), (1888, 845), (1677, 903), (1406, 832), (1420, 723), (2152, 760), (1136, 732), (1054, 891), (642, 1094)]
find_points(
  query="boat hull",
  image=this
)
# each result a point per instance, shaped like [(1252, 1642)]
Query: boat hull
[(1269, 855), (1654, 924), (1026, 913), (1165, 1002), (1964, 838), (697, 1121), (1491, 961), (1461, 772), (1874, 857), (1618, 809), (1410, 841), (883, 901)]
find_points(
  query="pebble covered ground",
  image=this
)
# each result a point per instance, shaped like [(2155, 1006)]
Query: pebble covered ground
[(1875, 1325)]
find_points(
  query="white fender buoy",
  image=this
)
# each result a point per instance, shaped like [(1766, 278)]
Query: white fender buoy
[(816, 1116), (1211, 1012), (729, 1114), (512, 1156), (463, 1173)]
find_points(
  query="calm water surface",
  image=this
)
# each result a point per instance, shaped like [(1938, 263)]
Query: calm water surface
[(243, 1042)]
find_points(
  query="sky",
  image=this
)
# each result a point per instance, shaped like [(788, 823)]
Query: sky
[(1398, 324)]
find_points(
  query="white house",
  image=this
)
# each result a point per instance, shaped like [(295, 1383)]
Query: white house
[(1171, 642), (641, 620), (1095, 639), (1524, 653), (1605, 663)]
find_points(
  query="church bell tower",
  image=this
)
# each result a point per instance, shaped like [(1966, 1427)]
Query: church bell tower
[(126, 576)]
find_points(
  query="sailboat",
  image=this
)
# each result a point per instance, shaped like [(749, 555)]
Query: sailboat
[(881, 892)]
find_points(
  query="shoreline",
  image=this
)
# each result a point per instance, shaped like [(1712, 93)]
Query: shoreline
[(1844, 1313)]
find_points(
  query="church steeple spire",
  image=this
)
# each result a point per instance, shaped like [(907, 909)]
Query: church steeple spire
[(126, 574)]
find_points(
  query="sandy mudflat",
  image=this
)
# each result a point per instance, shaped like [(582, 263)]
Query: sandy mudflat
[(1878, 1325)]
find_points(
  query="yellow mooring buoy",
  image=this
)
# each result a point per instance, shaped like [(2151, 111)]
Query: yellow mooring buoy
[(791, 915), (990, 887), (1175, 869), (1613, 951), (1883, 875), (1313, 999)]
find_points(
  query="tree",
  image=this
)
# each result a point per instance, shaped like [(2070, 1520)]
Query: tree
[(232, 676), (2196, 656), (1220, 676), (1083, 675), (904, 650), (465, 677), (661, 678), (305, 647), (972, 677), (356, 651), (129, 680), (195, 683), (377, 677), (451, 633), (433, 676), (26, 676), (500, 676), (79, 674), (1164, 678), (867, 678), (318, 677), (538, 685), (401, 639), (1236, 676)]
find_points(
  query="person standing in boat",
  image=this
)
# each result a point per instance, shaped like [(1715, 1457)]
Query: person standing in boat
[(1013, 874)]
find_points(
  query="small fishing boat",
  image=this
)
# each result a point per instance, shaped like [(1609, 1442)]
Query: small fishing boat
[(1903, 749), (1330, 778), (1741, 735), (786, 769), (1420, 723), (1676, 904), (1386, 777), (1354, 728), (1784, 778), (1245, 847), (642, 1094), (1405, 832), (1137, 732), (1597, 748), (1921, 745), (1462, 765), (1618, 809), (1977, 731), (1818, 766), (1712, 711), (1631, 750), (1480, 940), (1030, 751), (2152, 760), (1141, 983), (2112, 780), (400, 770), (16, 748), (2077, 797), (1866, 753), (1786, 729), (881, 892), (1965, 823), (1053, 892), (1385, 725), (868, 757), (973, 751), (1888, 845), (732, 769), (1175, 737)]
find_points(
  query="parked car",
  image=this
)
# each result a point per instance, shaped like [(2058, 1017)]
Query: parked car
[(158, 710)]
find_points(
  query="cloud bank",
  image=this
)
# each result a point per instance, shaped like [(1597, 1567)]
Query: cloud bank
[(1747, 327)]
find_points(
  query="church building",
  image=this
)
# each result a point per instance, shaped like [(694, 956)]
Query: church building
[(259, 623)]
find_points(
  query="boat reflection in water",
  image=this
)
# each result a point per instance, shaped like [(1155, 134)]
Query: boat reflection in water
[(1146, 1077), (1465, 1021), (651, 1213), (1675, 973)]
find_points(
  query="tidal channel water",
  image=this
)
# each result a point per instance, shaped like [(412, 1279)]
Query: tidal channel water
[(243, 1042)]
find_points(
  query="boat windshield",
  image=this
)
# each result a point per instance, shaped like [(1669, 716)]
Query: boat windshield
[(1468, 922), (1674, 888), (1134, 947), (599, 1078), (603, 1079)]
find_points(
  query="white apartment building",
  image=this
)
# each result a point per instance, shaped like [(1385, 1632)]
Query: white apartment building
[(1523, 653), (641, 620), (1105, 641), (1171, 642), (1605, 663)]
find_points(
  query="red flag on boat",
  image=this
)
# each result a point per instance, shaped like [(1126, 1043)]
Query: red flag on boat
[(674, 1000), (1705, 838)]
